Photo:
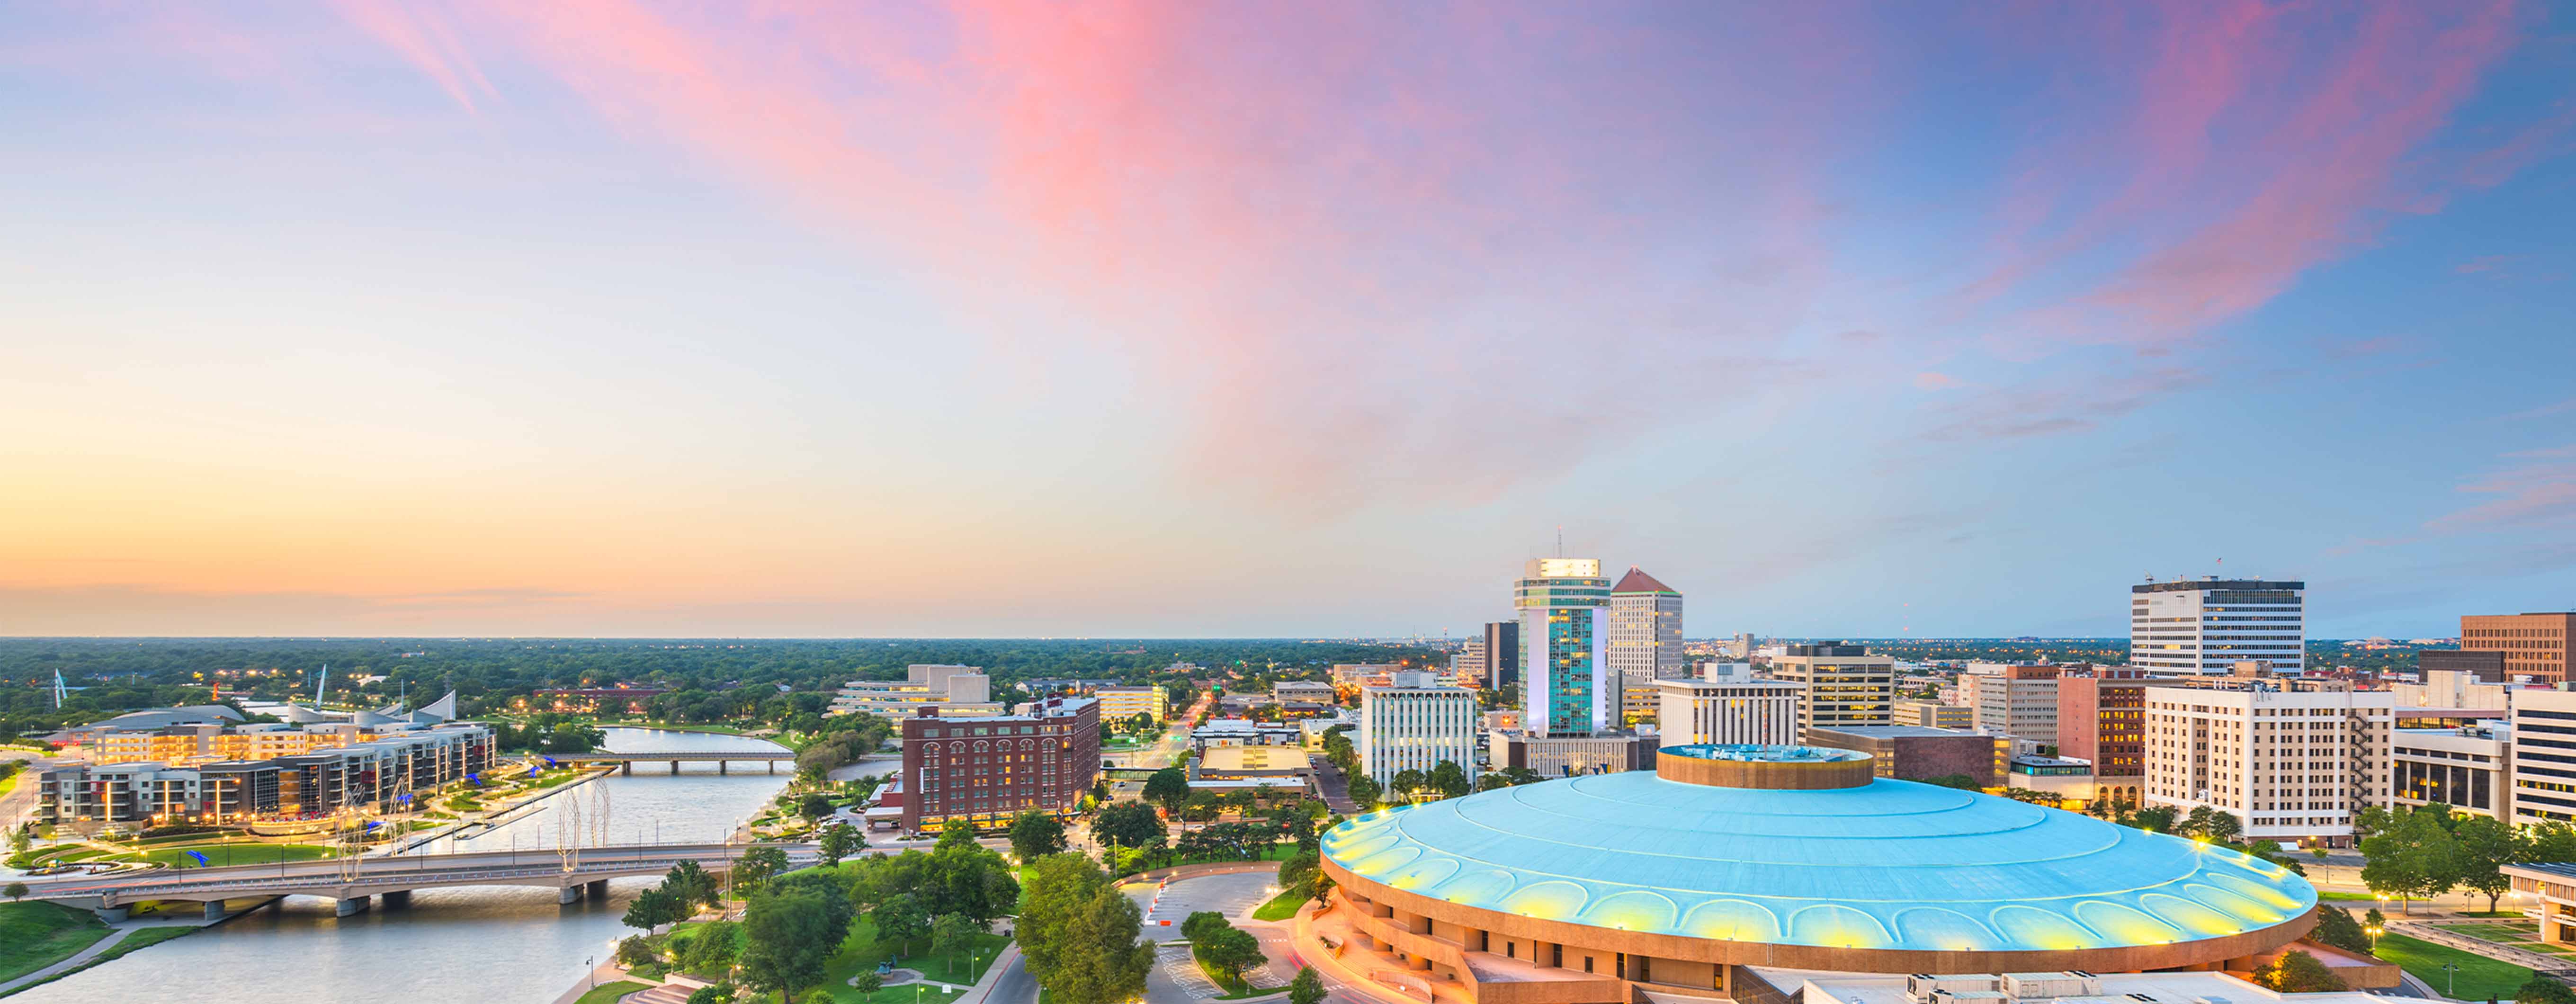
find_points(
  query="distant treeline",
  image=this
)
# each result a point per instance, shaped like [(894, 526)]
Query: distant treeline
[(722, 676)]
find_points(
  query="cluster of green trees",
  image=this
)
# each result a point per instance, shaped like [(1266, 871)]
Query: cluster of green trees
[(547, 733), (1078, 934), (2426, 851), (1444, 780), (840, 740), (684, 891), (1221, 949)]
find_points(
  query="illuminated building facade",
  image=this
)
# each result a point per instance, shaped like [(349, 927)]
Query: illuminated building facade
[(1566, 685)]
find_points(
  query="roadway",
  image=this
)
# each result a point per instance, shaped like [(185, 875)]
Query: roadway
[(355, 878)]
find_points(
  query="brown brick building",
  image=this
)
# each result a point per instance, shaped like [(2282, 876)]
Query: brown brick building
[(1916, 752), (983, 771), (2102, 717), (2534, 645)]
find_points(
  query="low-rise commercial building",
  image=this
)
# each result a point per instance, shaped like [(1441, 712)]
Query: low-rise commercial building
[(952, 691), (1310, 691), (1120, 703), (2469, 769), (1567, 756), (981, 771), (1915, 752), (1761, 712), (1220, 732), (1933, 714)]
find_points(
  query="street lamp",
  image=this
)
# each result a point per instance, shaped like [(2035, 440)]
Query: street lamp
[(2450, 978)]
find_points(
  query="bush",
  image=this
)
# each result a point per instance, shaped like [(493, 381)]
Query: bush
[(713, 993)]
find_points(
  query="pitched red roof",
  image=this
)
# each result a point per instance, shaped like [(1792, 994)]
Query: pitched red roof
[(1637, 581)]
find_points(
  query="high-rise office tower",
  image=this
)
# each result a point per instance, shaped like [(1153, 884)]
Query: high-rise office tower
[(2209, 625), (1645, 640), (1845, 685), (2534, 645), (1566, 686), (1502, 654)]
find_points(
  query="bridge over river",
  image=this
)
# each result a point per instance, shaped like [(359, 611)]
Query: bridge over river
[(355, 881), (721, 758)]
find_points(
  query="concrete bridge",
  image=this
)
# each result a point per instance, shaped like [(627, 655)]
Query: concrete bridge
[(721, 758), (355, 881)]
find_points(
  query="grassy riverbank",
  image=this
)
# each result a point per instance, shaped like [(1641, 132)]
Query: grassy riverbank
[(36, 935)]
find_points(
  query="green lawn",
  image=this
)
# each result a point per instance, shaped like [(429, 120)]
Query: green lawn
[(2480, 978), (2348, 897), (36, 935), (608, 993), (1282, 906), (218, 855), (861, 953)]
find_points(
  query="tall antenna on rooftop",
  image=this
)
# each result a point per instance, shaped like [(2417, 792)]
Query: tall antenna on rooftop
[(1560, 540)]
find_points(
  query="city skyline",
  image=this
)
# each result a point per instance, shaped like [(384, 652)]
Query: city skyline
[(610, 319)]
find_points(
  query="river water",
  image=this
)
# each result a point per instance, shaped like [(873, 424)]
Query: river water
[(489, 945)]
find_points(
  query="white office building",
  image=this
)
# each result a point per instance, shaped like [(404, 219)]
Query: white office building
[(1843, 685), (1728, 711), (2292, 765), (2469, 769), (2207, 626), (1413, 725), (2544, 756)]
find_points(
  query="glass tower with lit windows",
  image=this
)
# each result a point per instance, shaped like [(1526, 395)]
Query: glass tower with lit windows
[(1566, 686)]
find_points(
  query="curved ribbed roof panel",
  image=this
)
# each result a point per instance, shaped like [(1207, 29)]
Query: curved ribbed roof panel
[(1891, 864)]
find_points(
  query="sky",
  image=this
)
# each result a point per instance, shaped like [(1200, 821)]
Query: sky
[(790, 318)]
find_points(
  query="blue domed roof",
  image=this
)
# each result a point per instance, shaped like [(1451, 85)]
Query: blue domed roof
[(1890, 864)]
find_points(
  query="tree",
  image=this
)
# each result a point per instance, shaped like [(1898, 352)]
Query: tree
[(2554, 840), (867, 982), (900, 919), (1491, 780), (815, 805), (15, 891), (712, 948), (840, 840), (2486, 845), (1229, 951), (2158, 819), (1128, 824), (1960, 781), (1297, 874), (1202, 924), (2411, 856), (788, 938), (1078, 933), (1406, 783), (1364, 790), (965, 877), (757, 865), (838, 912), (635, 950), (655, 907), (2543, 990), (2336, 928), (948, 932), (1169, 788), (694, 886), (2297, 972), (1307, 988), (1035, 835), (1448, 779)]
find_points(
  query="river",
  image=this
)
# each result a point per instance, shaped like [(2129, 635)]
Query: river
[(491, 945)]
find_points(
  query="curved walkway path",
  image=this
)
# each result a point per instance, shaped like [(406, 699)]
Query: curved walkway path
[(115, 934)]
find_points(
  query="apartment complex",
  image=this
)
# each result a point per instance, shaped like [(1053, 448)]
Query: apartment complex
[(1566, 685), (1645, 643), (373, 774), (1120, 703), (2294, 765), (1702, 711), (2207, 626), (981, 771), (953, 691), (1934, 714), (2534, 645), (1841, 685), (1414, 725), (2102, 717), (2013, 699)]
